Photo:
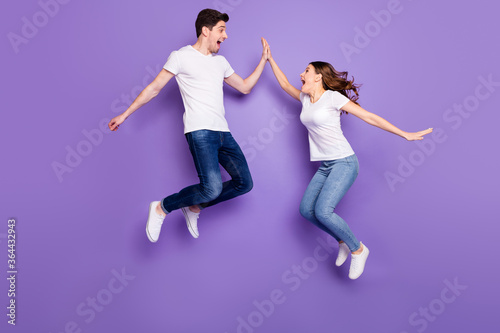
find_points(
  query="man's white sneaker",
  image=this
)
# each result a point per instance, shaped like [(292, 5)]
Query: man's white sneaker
[(358, 262), (343, 254), (153, 227), (191, 221)]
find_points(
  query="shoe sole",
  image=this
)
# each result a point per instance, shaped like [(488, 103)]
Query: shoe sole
[(191, 230), (147, 224)]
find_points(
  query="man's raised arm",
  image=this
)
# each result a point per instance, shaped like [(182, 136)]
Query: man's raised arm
[(245, 86)]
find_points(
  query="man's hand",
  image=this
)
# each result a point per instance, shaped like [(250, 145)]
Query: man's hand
[(116, 122), (266, 52), (245, 86)]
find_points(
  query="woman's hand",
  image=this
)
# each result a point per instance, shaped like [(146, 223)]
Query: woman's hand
[(417, 135), (266, 51)]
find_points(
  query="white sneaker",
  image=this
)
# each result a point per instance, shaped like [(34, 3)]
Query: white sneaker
[(358, 263), (153, 227), (191, 221), (343, 254)]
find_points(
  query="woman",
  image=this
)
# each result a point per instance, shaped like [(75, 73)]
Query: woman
[(325, 94)]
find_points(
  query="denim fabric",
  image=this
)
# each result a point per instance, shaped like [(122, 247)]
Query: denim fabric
[(324, 192), (209, 148)]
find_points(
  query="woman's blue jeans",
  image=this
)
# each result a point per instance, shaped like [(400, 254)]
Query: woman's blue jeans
[(209, 148), (324, 192)]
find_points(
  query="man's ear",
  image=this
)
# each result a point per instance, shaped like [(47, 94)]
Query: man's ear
[(205, 31)]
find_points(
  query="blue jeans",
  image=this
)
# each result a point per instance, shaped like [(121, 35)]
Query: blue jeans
[(209, 148), (324, 192)]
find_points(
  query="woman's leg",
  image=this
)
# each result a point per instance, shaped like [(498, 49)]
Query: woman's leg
[(311, 196), (342, 174)]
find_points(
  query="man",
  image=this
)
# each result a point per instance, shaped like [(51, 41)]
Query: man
[(200, 74)]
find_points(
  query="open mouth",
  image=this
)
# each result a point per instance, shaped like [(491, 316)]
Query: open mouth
[(303, 82)]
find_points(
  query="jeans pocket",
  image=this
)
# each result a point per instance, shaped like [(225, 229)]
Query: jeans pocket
[(328, 164)]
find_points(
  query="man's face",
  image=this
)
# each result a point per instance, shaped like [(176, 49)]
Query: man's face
[(216, 36)]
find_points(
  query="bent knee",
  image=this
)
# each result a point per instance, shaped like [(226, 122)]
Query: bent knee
[(245, 186), (248, 186), (323, 212), (306, 212)]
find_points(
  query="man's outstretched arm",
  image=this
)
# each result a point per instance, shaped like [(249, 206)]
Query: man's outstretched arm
[(145, 96), (245, 86)]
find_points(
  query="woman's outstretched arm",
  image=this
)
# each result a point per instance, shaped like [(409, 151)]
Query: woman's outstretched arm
[(380, 122), (280, 76)]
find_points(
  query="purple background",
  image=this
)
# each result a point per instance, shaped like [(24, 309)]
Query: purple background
[(73, 232)]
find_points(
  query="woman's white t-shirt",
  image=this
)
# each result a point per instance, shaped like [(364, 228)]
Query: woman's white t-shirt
[(322, 120), (200, 78)]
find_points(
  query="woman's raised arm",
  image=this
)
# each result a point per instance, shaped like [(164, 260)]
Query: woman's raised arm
[(280, 76)]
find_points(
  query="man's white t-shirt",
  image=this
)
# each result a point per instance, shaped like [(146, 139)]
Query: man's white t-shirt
[(200, 78), (322, 120)]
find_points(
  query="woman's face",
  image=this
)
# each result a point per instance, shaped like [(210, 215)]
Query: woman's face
[(309, 79)]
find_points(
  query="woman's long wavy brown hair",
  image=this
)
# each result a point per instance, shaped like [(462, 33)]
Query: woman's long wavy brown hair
[(337, 81)]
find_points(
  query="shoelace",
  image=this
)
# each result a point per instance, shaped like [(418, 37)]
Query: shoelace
[(160, 218), (355, 262)]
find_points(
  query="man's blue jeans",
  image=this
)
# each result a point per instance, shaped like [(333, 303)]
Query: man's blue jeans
[(209, 148), (326, 189)]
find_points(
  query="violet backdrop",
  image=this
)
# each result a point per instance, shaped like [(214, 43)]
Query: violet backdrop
[(80, 195)]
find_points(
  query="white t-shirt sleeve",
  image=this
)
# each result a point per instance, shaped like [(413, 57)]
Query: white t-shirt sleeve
[(339, 100), (172, 65), (228, 71), (302, 96)]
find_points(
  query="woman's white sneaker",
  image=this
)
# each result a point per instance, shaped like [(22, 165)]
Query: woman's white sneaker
[(343, 254), (153, 227), (358, 262)]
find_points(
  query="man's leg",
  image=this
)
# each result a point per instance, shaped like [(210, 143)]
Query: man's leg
[(233, 161), (204, 146)]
